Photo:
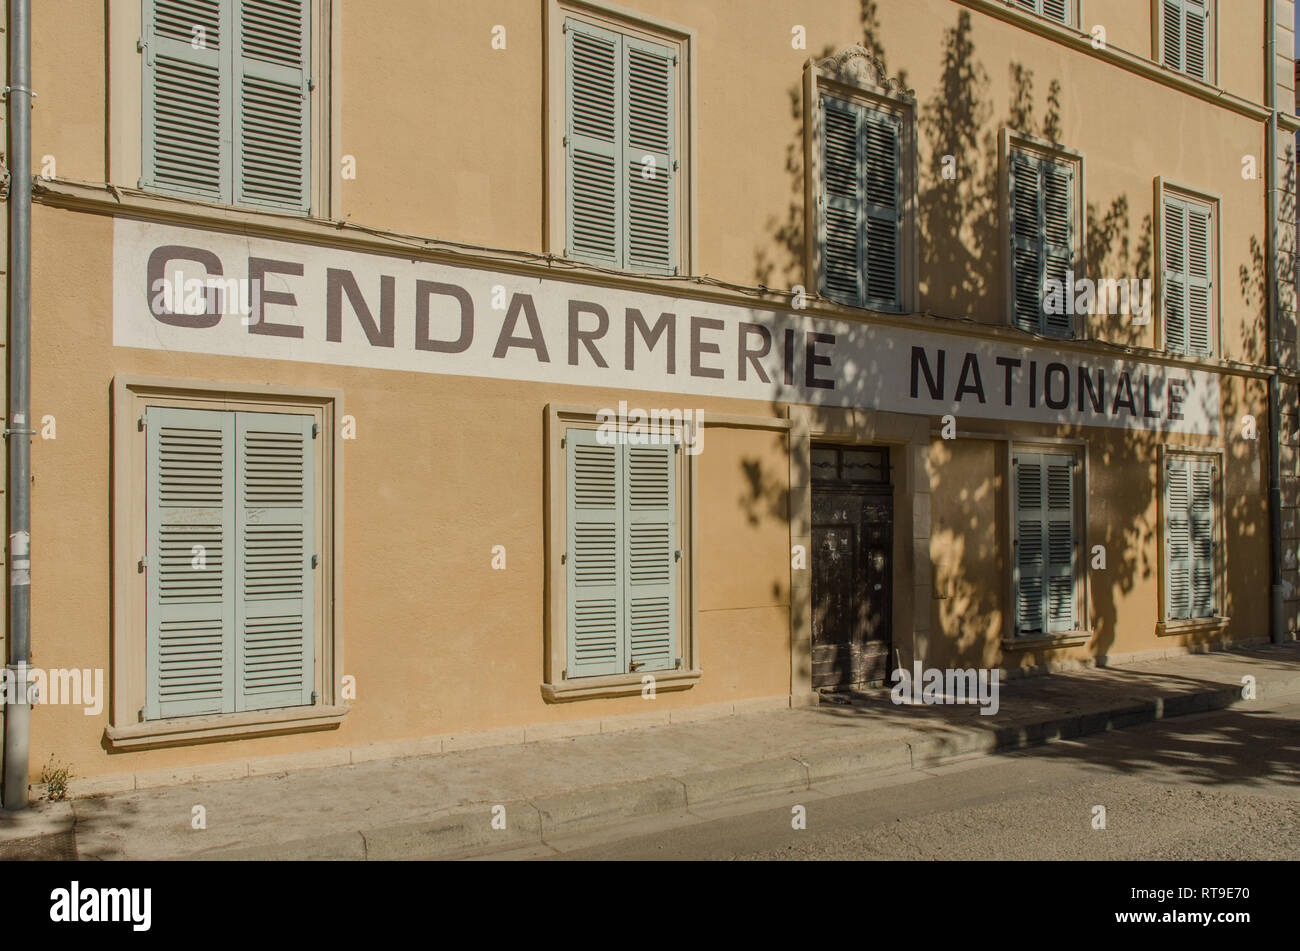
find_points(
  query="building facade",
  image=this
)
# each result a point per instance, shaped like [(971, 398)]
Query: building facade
[(418, 375)]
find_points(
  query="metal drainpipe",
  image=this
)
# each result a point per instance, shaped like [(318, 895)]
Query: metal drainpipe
[(1277, 620), (18, 431)]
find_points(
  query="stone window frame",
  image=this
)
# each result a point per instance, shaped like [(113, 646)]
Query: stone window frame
[(131, 395)]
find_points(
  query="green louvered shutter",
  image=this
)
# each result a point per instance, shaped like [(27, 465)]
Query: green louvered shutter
[(1030, 542), (1059, 518), (595, 220), (1058, 242), (1058, 10), (595, 556), (1178, 539), (1199, 284), (1201, 517), (271, 104), (843, 225), (275, 545), (187, 115), (1026, 243), (1189, 538), (883, 190), (651, 536), (1187, 278), (1186, 33), (649, 155), (190, 559), (1175, 275), (1045, 543)]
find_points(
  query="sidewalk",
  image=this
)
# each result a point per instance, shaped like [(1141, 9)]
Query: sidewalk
[(443, 806)]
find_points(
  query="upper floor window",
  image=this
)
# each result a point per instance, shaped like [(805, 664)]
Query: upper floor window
[(1186, 37), (861, 152), (226, 101), (1059, 10), (1188, 257), (624, 91), (1044, 237)]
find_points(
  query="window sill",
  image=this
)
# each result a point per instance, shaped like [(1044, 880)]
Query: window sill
[(618, 685), (1203, 625), (1068, 639), (222, 726)]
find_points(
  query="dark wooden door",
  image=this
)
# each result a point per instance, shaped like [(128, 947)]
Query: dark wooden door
[(852, 565)]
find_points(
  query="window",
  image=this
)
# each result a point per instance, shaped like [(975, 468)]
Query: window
[(1043, 204), (1188, 255), (861, 240), (624, 89), (1185, 34), (1058, 10), (622, 555), (1046, 571), (225, 621), (231, 555), (1191, 537), (226, 101)]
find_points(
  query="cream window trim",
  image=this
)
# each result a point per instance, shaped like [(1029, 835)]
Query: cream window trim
[(1217, 622), (1214, 204), (855, 75), (1011, 140), (126, 101), (651, 29), (555, 687), (131, 395), (1065, 446), (1211, 37)]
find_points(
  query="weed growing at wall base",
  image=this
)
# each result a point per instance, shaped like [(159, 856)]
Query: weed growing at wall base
[(933, 685)]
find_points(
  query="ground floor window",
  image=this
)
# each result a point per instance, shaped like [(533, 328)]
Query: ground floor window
[(1046, 567), (231, 539), (622, 554), (1190, 518)]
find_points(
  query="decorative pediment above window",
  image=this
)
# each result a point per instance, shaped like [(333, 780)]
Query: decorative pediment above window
[(858, 66)]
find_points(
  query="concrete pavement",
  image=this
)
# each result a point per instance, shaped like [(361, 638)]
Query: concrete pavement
[(508, 797)]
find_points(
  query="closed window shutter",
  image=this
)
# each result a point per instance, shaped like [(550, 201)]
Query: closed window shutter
[(270, 97), (1046, 595), (1199, 284), (187, 118), (1196, 47), (1201, 517), (1187, 278), (1027, 252), (190, 569), (1059, 518), (1172, 27), (275, 543), (1175, 275), (882, 152), (651, 538), (1030, 542), (595, 557), (593, 146), (649, 155), (843, 225), (1058, 242), (1051, 9), (1178, 539)]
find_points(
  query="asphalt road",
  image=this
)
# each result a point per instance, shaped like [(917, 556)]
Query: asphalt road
[(1223, 786)]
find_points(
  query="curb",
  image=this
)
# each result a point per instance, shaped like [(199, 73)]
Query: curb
[(468, 830)]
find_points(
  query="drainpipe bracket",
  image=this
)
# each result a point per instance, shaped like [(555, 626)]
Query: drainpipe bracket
[(30, 432)]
